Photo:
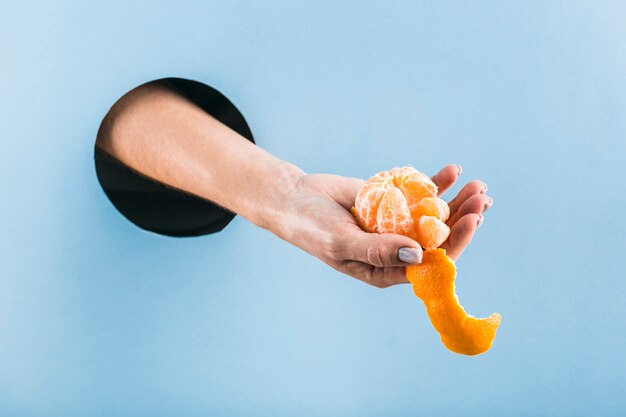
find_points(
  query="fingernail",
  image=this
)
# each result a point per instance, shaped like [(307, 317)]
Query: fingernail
[(460, 169), (410, 255), (489, 203), (480, 221), (485, 188)]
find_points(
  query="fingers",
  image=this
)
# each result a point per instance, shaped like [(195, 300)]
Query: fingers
[(377, 276), (471, 188), (466, 216), (379, 250), (461, 234), (477, 203), (376, 259), (380, 259), (445, 178)]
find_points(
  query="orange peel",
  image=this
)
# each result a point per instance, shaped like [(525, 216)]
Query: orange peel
[(405, 201), (433, 282)]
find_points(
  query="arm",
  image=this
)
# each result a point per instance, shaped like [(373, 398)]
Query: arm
[(164, 136), (161, 134)]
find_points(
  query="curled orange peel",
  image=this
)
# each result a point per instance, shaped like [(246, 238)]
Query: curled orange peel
[(433, 283), (405, 201)]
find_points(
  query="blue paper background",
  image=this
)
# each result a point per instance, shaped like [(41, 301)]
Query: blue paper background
[(98, 317)]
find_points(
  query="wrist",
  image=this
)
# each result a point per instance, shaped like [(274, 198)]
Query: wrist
[(272, 211)]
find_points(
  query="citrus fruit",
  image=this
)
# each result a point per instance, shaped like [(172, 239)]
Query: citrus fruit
[(404, 201)]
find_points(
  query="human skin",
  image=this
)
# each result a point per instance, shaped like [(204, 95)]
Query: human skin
[(162, 135)]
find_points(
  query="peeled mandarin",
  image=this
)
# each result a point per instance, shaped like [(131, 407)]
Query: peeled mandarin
[(393, 202), (433, 282)]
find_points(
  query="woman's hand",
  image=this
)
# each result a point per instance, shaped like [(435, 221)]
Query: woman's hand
[(316, 218), (156, 131)]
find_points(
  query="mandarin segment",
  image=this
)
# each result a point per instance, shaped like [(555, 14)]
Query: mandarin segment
[(366, 206), (417, 186), (399, 173), (393, 214), (431, 206), (433, 283), (430, 232), (382, 177)]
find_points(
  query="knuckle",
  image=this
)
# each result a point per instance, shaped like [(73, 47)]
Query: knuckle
[(341, 267), (374, 255), (365, 275), (332, 248)]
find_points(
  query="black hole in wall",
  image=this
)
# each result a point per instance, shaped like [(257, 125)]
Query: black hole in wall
[(156, 207)]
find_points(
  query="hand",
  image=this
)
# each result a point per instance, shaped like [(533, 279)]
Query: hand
[(316, 218), (159, 133)]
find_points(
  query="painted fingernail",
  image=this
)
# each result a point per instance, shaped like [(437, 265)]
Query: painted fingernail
[(480, 221), (485, 188), (410, 255), (489, 203), (460, 169)]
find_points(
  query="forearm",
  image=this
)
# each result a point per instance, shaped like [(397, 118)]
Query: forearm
[(161, 134)]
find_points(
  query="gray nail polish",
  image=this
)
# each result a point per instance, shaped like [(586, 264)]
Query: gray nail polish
[(460, 169), (410, 255), (480, 221)]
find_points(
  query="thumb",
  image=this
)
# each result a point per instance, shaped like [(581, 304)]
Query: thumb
[(386, 249), (344, 189)]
